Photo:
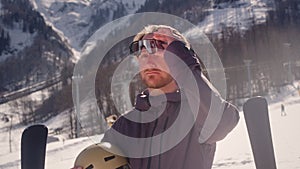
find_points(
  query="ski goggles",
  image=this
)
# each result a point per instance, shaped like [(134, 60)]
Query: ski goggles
[(151, 45)]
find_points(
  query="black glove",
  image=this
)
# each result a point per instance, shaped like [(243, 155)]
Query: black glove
[(178, 49)]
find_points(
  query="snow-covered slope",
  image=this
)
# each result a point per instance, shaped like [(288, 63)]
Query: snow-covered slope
[(235, 151), (29, 49), (19, 40), (70, 18), (74, 19), (238, 15)]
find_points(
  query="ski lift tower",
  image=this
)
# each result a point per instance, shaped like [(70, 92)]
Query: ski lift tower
[(76, 79), (288, 53), (248, 63)]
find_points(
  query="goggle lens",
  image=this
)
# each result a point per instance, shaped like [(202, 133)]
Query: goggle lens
[(151, 45)]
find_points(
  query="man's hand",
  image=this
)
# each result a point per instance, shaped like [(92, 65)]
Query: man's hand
[(178, 57), (178, 49)]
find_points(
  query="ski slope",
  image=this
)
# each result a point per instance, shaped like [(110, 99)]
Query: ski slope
[(234, 152)]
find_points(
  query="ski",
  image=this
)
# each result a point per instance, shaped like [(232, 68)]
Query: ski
[(258, 125), (33, 147)]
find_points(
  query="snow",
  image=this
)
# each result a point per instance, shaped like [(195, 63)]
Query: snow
[(15, 106), (69, 18), (72, 18), (234, 152), (132, 9), (239, 15), (18, 40)]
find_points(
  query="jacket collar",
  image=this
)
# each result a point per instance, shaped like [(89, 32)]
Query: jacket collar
[(143, 103)]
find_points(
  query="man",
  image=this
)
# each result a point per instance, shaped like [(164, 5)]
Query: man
[(169, 94), (283, 113)]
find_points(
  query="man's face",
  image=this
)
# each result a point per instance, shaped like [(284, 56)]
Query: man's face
[(153, 68)]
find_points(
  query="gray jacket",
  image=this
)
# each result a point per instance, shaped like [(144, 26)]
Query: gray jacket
[(189, 153), (190, 142)]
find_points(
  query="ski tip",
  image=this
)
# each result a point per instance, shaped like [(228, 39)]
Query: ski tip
[(33, 146), (257, 98), (255, 101), (36, 127)]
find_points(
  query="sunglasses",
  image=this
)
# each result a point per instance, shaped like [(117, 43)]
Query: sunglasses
[(151, 45)]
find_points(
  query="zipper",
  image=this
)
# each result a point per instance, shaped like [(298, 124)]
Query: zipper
[(150, 156)]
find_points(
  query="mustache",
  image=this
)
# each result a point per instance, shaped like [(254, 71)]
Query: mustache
[(152, 69)]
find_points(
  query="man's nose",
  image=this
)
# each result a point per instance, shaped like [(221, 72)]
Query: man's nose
[(149, 61)]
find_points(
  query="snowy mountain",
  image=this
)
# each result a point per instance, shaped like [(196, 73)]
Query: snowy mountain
[(240, 15), (76, 20), (31, 51)]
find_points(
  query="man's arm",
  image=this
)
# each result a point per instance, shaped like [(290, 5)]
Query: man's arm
[(216, 117)]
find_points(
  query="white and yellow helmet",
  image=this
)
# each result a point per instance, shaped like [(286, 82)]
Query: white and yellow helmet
[(99, 156)]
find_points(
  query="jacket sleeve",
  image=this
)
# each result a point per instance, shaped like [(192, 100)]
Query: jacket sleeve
[(215, 117), (109, 135), (229, 120)]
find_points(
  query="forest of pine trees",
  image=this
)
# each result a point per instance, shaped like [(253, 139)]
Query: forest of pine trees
[(4, 41)]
